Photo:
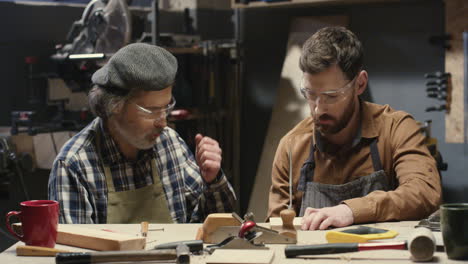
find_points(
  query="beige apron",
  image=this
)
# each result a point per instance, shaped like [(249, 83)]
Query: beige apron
[(134, 206), (318, 195)]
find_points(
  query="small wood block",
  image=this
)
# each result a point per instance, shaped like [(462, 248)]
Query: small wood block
[(213, 222), (240, 256), (144, 228), (277, 224), (73, 235)]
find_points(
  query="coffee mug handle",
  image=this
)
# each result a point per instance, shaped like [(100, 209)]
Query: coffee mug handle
[(10, 214)]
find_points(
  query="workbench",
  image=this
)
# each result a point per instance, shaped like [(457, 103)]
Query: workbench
[(177, 232)]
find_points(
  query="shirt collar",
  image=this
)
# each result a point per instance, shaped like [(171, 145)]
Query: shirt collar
[(368, 122), (110, 152)]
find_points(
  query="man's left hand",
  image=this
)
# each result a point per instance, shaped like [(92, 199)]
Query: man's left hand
[(208, 154), (337, 216)]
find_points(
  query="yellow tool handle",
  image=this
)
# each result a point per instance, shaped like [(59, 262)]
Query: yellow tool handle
[(37, 251)]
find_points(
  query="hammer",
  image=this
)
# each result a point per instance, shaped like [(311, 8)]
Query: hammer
[(179, 255), (421, 245)]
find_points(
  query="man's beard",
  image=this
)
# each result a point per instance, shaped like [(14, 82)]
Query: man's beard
[(336, 125), (140, 142)]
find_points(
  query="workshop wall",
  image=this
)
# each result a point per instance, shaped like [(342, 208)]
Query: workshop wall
[(28, 31), (34, 30), (397, 54)]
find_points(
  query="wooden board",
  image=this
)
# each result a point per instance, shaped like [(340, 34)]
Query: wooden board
[(276, 223), (222, 256), (289, 108), (95, 239), (212, 223), (455, 23)]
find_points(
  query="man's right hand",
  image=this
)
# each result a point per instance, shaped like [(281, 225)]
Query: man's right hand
[(208, 155), (337, 216)]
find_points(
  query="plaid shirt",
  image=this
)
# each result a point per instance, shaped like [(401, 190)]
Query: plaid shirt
[(78, 182)]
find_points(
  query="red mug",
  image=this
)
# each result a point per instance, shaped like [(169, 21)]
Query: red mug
[(39, 222)]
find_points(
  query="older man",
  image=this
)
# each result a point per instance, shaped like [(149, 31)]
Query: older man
[(127, 166)]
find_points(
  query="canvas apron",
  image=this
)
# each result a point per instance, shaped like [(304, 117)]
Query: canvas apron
[(319, 195), (134, 206)]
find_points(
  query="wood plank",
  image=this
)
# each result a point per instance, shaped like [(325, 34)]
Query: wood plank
[(276, 223), (212, 223), (224, 256), (95, 239), (455, 23)]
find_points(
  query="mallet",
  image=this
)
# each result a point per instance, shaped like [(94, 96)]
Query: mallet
[(421, 245)]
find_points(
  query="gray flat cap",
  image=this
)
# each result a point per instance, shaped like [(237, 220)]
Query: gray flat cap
[(137, 65)]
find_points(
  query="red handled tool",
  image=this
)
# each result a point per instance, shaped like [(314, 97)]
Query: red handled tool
[(421, 245), (246, 227)]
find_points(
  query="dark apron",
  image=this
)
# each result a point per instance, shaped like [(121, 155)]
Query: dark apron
[(319, 195)]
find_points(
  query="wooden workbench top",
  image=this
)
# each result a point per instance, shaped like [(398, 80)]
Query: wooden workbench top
[(177, 232)]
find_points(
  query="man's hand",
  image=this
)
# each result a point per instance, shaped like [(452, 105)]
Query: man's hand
[(337, 216), (208, 154)]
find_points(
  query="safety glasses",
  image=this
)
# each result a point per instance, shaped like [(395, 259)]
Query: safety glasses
[(326, 97), (157, 113)]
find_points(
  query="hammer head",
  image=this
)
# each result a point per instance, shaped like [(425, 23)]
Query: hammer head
[(183, 254), (422, 244)]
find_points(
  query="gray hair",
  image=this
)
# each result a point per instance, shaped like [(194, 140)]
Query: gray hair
[(103, 103)]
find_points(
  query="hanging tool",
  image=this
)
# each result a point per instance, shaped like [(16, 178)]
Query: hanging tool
[(421, 245), (359, 234), (438, 86)]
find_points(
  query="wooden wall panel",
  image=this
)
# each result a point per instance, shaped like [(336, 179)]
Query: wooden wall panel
[(456, 21)]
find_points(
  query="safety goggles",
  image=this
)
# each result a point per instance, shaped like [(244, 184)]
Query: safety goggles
[(327, 97), (158, 113)]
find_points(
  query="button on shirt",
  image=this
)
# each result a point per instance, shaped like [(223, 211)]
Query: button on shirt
[(404, 155), (77, 178)]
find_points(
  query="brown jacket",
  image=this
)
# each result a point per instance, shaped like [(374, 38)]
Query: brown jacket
[(405, 159)]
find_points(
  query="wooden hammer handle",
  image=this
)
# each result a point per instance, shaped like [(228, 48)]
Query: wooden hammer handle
[(37, 251)]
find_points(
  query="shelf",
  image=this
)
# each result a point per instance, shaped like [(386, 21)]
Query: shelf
[(296, 3), (188, 50)]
